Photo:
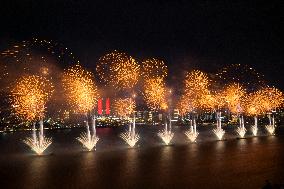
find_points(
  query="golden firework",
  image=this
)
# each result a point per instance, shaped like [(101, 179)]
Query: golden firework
[(29, 97), (80, 88), (154, 93), (196, 89), (255, 103), (119, 70), (124, 107), (154, 68), (213, 100), (234, 96), (274, 98)]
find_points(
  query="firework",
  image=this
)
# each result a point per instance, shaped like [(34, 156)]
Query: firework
[(196, 88), (155, 93), (81, 91), (119, 70), (244, 74), (234, 96), (166, 136), (274, 99), (255, 106), (219, 132), (29, 97), (124, 107), (154, 68), (38, 144), (88, 141), (130, 138), (82, 95)]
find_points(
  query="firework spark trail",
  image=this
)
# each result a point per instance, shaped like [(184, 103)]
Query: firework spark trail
[(155, 93), (82, 95), (154, 68), (119, 70), (124, 107)]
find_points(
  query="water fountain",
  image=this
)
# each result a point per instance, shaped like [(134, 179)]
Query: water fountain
[(219, 132)]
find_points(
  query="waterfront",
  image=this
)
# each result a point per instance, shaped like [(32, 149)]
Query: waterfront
[(244, 163)]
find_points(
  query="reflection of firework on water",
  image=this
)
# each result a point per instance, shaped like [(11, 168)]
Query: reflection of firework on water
[(191, 135), (88, 141), (124, 107), (80, 88), (154, 93), (219, 132), (29, 97), (154, 68), (166, 135), (38, 144), (131, 138), (238, 73), (119, 70)]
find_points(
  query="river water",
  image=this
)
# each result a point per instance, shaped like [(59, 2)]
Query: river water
[(233, 163)]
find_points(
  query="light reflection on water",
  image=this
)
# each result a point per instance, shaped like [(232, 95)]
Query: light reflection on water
[(243, 163)]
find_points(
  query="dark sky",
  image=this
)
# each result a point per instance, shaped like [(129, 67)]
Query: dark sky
[(205, 35)]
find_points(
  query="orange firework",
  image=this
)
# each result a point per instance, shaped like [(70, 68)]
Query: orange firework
[(185, 105), (154, 93), (274, 98), (234, 96), (119, 70), (154, 68), (196, 81), (212, 100), (80, 88), (124, 107), (255, 103), (196, 88), (29, 97)]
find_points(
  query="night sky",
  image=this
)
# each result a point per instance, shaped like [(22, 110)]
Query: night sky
[(205, 35)]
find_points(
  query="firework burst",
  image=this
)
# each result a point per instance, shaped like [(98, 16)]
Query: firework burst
[(235, 96), (81, 91), (155, 93), (82, 95), (255, 106), (119, 70), (29, 97), (274, 99), (196, 88), (124, 107), (154, 68)]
